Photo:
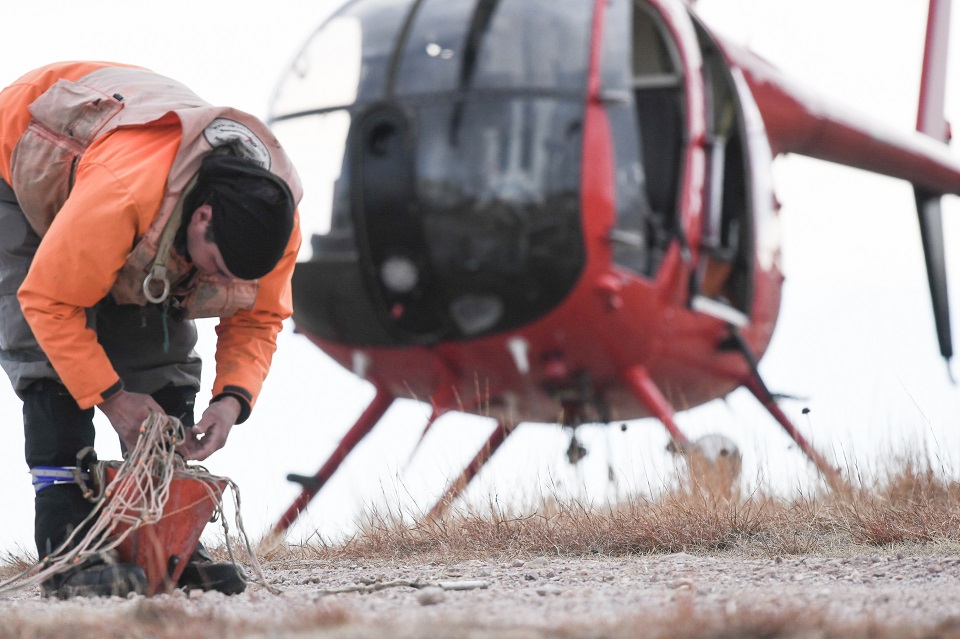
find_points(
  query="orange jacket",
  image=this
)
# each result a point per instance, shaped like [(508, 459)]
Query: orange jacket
[(118, 190)]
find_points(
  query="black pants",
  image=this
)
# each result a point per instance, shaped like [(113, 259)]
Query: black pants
[(55, 430)]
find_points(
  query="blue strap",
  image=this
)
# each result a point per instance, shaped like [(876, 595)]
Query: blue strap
[(47, 476)]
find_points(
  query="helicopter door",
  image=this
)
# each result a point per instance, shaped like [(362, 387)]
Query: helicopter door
[(724, 278), (643, 92), (658, 93)]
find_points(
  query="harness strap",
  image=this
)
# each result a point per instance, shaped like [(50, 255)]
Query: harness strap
[(47, 476), (158, 270)]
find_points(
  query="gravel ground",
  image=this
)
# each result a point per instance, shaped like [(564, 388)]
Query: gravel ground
[(878, 595)]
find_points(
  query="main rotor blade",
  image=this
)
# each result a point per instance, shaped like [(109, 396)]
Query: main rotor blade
[(931, 233)]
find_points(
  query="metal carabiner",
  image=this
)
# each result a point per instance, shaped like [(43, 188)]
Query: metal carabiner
[(148, 280)]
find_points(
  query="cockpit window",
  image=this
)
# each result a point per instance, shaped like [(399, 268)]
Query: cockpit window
[(344, 61), (449, 175), (456, 45)]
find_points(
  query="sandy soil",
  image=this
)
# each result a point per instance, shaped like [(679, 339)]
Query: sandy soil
[(895, 594)]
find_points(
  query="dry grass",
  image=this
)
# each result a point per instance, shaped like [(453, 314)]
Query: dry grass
[(14, 563), (913, 504)]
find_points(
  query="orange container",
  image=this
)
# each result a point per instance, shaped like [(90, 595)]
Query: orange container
[(162, 549)]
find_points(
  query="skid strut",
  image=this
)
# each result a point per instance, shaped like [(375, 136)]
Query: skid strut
[(760, 391), (756, 385), (312, 484), (440, 401), (460, 484), (638, 381)]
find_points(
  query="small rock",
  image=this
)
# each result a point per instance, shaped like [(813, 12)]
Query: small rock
[(533, 575), (431, 595), (684, 584), (538, 561), (549, 589), (517, 563)]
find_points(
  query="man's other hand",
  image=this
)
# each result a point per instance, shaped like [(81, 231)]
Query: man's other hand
[(211, 432)]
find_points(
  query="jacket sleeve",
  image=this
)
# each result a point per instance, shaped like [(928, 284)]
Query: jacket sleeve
[(247, 340), (74, 268)]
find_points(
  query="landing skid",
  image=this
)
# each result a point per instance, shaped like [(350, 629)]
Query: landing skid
[(636, 379)]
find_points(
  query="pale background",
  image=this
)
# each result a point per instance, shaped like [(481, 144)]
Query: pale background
[(855, 337)]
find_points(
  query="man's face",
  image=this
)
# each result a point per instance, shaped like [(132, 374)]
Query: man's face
[(203, 253)]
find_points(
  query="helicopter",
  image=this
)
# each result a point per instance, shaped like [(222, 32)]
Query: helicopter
[(562, 212)]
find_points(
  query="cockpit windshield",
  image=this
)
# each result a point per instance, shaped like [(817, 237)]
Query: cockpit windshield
[(447, 46), (455, 45), (443, 153)]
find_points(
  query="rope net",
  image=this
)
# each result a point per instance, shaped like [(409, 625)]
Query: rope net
[(134, 499)]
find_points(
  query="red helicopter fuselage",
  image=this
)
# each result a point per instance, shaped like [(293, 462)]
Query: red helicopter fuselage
[(568, 363), (560, 212)]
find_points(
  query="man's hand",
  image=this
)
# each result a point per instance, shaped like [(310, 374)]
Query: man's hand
[(127, 412), (211, 432)]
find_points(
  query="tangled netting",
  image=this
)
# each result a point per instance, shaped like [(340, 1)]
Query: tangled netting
[(136, 498)]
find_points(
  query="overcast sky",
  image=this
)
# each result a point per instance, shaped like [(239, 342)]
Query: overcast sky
[(855, 335)]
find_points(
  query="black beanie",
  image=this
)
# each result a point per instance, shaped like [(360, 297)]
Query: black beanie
[(252, 213)]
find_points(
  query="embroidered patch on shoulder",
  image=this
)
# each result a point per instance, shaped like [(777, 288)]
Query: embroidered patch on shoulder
[(223, 131)]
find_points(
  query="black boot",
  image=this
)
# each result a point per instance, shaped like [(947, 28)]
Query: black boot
[(201, 572), (55, 430), (59, 510), (98, 576)]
